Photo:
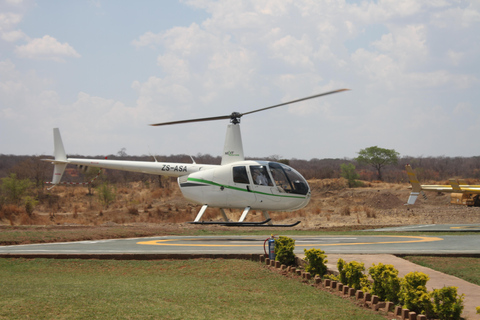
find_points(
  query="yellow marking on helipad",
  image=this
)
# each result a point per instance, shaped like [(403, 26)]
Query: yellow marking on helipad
[(165, 242), (465, 227)]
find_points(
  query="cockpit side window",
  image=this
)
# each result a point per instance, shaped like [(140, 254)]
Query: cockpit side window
[(240, 175), (260, 176)]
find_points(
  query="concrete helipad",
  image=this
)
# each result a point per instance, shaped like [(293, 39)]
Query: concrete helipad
[(434, 228), (368, 244)]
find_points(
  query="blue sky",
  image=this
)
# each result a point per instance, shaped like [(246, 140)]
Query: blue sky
[(102, 70)]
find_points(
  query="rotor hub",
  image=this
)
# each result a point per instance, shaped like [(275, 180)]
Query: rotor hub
[(235, 117)]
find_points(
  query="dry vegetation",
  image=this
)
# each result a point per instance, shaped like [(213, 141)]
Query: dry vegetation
[(332, 205)]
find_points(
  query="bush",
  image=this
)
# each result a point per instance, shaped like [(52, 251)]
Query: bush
[(30, 204), (413, 293), (347, 171), (14, 189), (386, 283), (351, 274), (447, 304), (284, 247), (106, 194), (316, 262)]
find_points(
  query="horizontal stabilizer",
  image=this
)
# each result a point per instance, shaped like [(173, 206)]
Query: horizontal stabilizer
[(53, 161)]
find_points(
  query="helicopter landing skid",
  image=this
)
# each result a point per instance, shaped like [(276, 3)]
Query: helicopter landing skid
[(246, 224), (279, 225), (232, 223)]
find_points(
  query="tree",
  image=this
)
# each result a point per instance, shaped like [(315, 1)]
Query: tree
[(378, 158), (348, 172)]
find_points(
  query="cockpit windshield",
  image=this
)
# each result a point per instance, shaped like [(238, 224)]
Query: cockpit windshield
[(287, 179)]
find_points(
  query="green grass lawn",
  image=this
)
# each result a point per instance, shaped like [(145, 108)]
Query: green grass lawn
[(185, 289), (464, 268)]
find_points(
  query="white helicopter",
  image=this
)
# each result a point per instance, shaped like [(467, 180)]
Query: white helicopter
[(236, 183)]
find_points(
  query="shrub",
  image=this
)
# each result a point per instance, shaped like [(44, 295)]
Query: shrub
[(446, 303), (332, 277), (106, 194), (30, 204), (14, 188), (348, 172), (386, 283), (351, 274), (413, 293), (316, 261), (284, 247)]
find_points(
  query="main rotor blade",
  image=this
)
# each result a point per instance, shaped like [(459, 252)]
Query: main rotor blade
[(294, 101), (235, 116), (191, 120)]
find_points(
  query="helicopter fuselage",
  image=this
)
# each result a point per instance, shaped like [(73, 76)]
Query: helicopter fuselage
[(261, 185)]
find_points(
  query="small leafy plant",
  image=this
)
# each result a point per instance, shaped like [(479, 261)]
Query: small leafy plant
[(413, 293), (284, 247), (386, 283), (316, 261), (352, 274), (447, 304)]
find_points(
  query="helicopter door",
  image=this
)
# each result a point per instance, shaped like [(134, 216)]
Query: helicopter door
[(262, 183), (241, 194)]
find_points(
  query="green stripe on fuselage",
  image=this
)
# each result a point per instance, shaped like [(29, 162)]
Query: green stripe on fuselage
[(244, 190)]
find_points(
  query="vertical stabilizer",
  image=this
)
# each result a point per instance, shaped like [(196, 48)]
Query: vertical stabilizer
[(416, 187), (455, 186), (60, 157), (58, 151), (233, 148)]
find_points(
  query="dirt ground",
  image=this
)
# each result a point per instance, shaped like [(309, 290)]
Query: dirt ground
[(383, 204), (332, 206)]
